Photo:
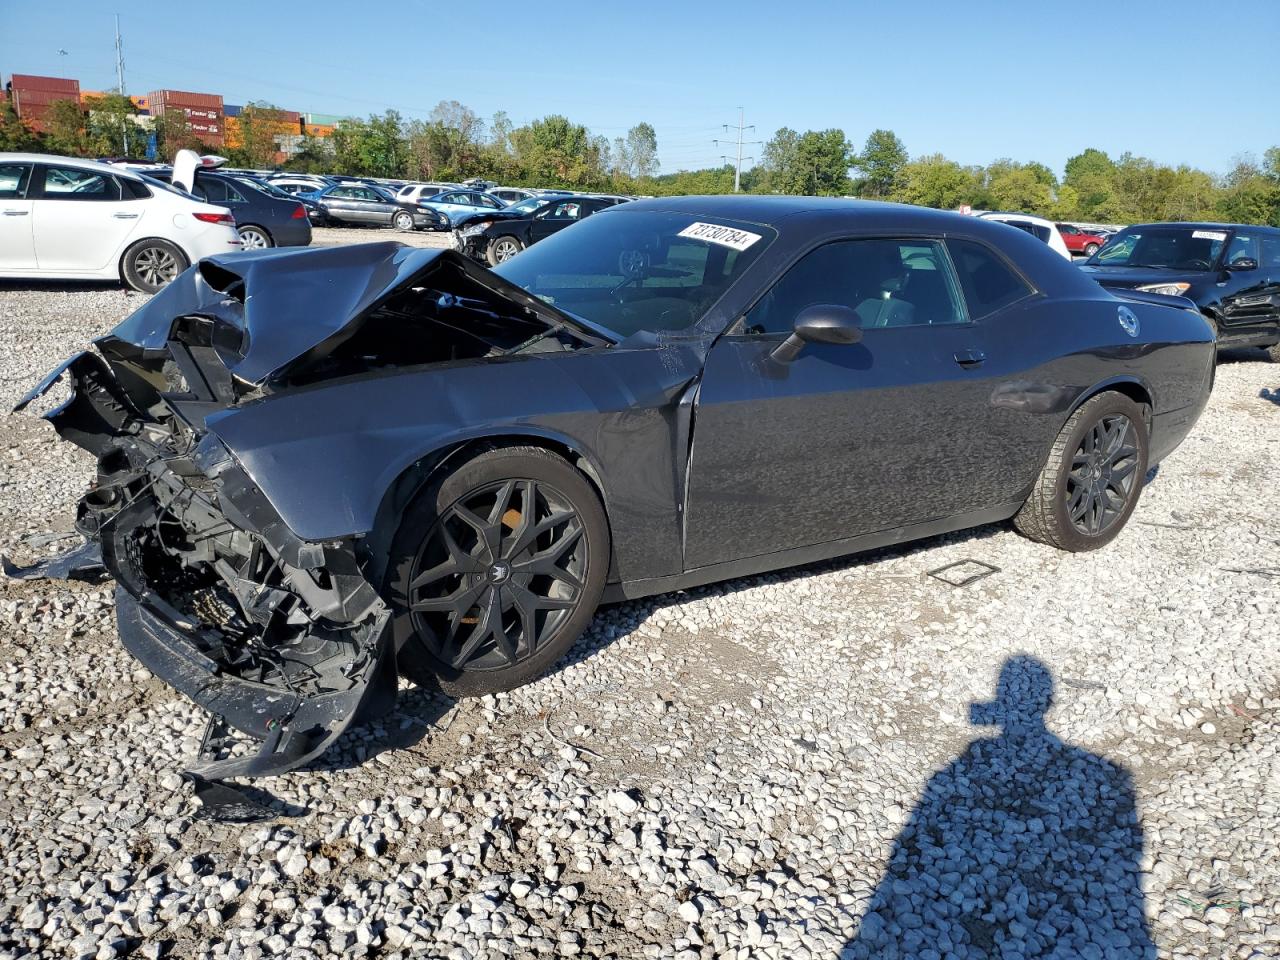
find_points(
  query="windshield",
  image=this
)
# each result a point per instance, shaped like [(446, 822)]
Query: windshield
[(1170, 248), (629, 272), (529, 204), (164, 186), (264, 186)]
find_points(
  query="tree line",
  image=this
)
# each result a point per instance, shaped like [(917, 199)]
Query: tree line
[(454, 143)]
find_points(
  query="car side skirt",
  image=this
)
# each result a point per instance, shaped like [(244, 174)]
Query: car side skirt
[(813, 553)]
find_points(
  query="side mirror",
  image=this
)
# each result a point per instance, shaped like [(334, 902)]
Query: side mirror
[(820, 323), (1242, 263)]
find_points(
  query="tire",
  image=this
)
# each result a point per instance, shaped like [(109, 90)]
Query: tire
[(1090, 249), (1060, 492), (254, 237), (1273, 352), (151, 264), (403, 222), (503, 248), (443, 577)]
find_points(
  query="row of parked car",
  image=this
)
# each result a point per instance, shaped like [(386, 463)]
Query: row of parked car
[(65, 218), (1230, 271)]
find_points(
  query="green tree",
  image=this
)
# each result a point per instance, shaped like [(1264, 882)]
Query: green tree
[(881, 161), (642, 151), (15, 135), (261, 128), (814, 162), (1028, 188), (935, 181), (174, 133), (314, 155), (111, 128), (1091, 176), (65, 131)]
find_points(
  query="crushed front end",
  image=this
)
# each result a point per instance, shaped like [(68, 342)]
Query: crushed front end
[(283, 641)]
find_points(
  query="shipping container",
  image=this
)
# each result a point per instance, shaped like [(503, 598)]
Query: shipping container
[(203, 112), (231, 109), (26, 81), (324, 119), (32, 96)]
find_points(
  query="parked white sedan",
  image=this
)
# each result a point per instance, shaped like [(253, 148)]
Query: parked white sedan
[(1040, 228), (70, 219)]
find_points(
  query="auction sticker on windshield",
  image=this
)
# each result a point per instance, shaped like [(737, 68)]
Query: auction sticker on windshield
[(1209, 234), (724, 236)]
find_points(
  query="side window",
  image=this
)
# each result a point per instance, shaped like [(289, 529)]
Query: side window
[(13, 180), (1270, 249), (988, 283), (489, 202), (569, 210), (69, 183), (1242, 246), (217, 191), (888, 283)]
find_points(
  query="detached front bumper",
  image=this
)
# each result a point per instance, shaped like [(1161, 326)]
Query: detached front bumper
[(283, 641)]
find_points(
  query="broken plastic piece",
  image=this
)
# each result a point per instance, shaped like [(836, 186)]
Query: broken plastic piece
[(83, 562)]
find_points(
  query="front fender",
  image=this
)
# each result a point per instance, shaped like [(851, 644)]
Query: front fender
[(326, 456)]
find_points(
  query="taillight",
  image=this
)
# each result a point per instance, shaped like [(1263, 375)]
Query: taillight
[(215, 218), (299, 214)]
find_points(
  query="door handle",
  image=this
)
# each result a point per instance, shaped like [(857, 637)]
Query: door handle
[(125, 216), (970, 358), (16, 213)]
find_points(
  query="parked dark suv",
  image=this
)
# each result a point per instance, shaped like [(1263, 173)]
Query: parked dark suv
[(1230, 270)]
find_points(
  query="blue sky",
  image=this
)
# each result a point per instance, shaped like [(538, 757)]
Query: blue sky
[(1181, 82)]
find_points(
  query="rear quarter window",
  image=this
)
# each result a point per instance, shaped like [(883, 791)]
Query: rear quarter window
[(989, 284)]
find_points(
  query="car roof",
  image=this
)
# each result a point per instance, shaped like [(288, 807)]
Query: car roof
[(61, 161), (1204, 225), (770, 209)]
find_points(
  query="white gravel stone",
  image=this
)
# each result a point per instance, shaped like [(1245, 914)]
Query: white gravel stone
[(745, 758)]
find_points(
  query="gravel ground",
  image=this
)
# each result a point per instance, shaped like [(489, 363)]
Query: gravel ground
[(782, 766)]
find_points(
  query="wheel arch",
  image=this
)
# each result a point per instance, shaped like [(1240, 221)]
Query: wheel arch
[(1132, 387), (413, 478), (257, 226)]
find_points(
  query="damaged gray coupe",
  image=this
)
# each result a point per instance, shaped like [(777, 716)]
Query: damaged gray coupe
[(321, 469)]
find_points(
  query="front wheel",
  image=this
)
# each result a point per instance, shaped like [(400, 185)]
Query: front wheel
[(502, 249), (1090, 249), (403, 222), (496, 570), (151, 264), (1091, 483)]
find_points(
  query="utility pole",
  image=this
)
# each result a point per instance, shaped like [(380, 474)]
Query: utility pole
[(120, 81), (741, 127)]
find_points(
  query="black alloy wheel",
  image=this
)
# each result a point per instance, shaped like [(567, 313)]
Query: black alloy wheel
[(1103, 474), (1092, 478), (496, 571)]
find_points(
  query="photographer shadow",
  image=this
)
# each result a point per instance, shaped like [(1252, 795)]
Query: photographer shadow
[(1022, 847)]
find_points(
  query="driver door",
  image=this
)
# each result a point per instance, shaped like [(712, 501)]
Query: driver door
[(554, 217), (846, 439)]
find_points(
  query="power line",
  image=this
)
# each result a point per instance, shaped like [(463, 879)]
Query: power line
[(737, 170)]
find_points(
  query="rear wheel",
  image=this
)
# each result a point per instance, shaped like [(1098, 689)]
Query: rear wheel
[(1091, 483), (151, 264), (253, 237), (1090, 249), (502, 249), (496, 570), (403, 222)]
